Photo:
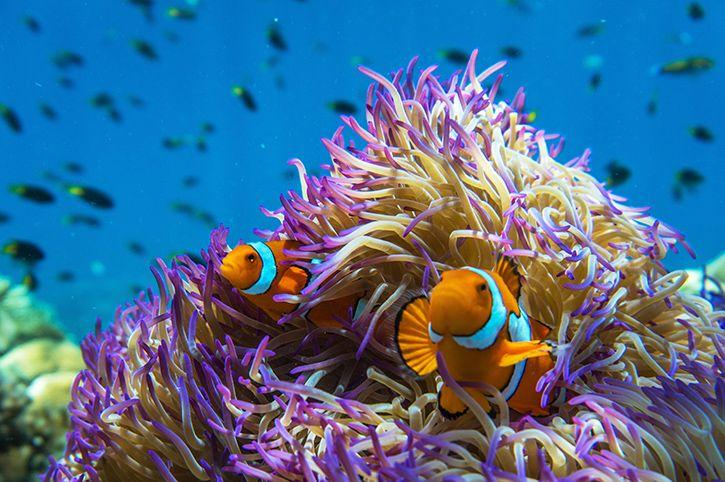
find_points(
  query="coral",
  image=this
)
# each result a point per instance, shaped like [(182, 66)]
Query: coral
[(20, 318), (36, 373), (193, 383), (708, 282)]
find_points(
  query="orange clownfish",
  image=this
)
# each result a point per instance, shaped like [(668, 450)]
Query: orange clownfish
[(474, 319), (257, 271)]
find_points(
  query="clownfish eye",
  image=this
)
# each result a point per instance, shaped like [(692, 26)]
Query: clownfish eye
[(251, 258), (482, 287)]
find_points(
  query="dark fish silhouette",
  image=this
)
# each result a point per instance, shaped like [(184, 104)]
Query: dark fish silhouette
[(701, 133), (275, 38), (11, 118), (686, 179), (595, 81), (194, 213), (145, 49), (190, 181), (136, 101), (653, 104), (37, 194), (342, 107), (115, 115), (65, 276), (455, 56), (66, 83), (102, 100), (246, 98), (590, 30), (511, 52), (84, 219), (182, 207), (181, 13), (92, 196), (146, 8), (48, 111), (136, 248), (23, 251), (695, 11), (136, 289), (73, 167), (687, 66), (173, 143), (617, 174), (32, 24), (65, 59)]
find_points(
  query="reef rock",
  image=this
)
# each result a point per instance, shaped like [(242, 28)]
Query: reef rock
[(37, 368), (715, 271)]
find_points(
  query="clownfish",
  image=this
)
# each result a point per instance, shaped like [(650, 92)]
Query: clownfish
[(260, 270), (474, 319)]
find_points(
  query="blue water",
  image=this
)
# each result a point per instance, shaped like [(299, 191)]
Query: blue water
[(246, 161)]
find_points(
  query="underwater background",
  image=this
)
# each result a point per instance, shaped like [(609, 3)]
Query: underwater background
[(185, 113)]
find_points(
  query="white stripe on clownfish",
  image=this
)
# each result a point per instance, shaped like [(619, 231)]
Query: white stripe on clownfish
[(519, 330), (268, 272), (486, 336)]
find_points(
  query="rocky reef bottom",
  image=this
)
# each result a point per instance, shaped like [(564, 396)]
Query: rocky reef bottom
[(37, 367)]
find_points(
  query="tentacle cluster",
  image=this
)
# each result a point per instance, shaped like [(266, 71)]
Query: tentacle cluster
[(194, 384)]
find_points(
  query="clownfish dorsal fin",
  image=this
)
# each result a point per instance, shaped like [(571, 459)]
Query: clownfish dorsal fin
[(508, 271)]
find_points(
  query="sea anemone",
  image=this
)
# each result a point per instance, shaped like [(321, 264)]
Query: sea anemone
[(193, 383)]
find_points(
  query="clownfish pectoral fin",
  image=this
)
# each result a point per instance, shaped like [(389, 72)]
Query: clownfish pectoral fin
[(412, 339), (508, 271), (293, 280), (517, 351)]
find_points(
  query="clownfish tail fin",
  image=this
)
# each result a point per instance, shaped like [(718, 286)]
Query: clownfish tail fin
[(411, 337)]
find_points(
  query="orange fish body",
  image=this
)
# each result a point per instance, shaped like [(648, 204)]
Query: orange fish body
[(474, 320), (261, 270)]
